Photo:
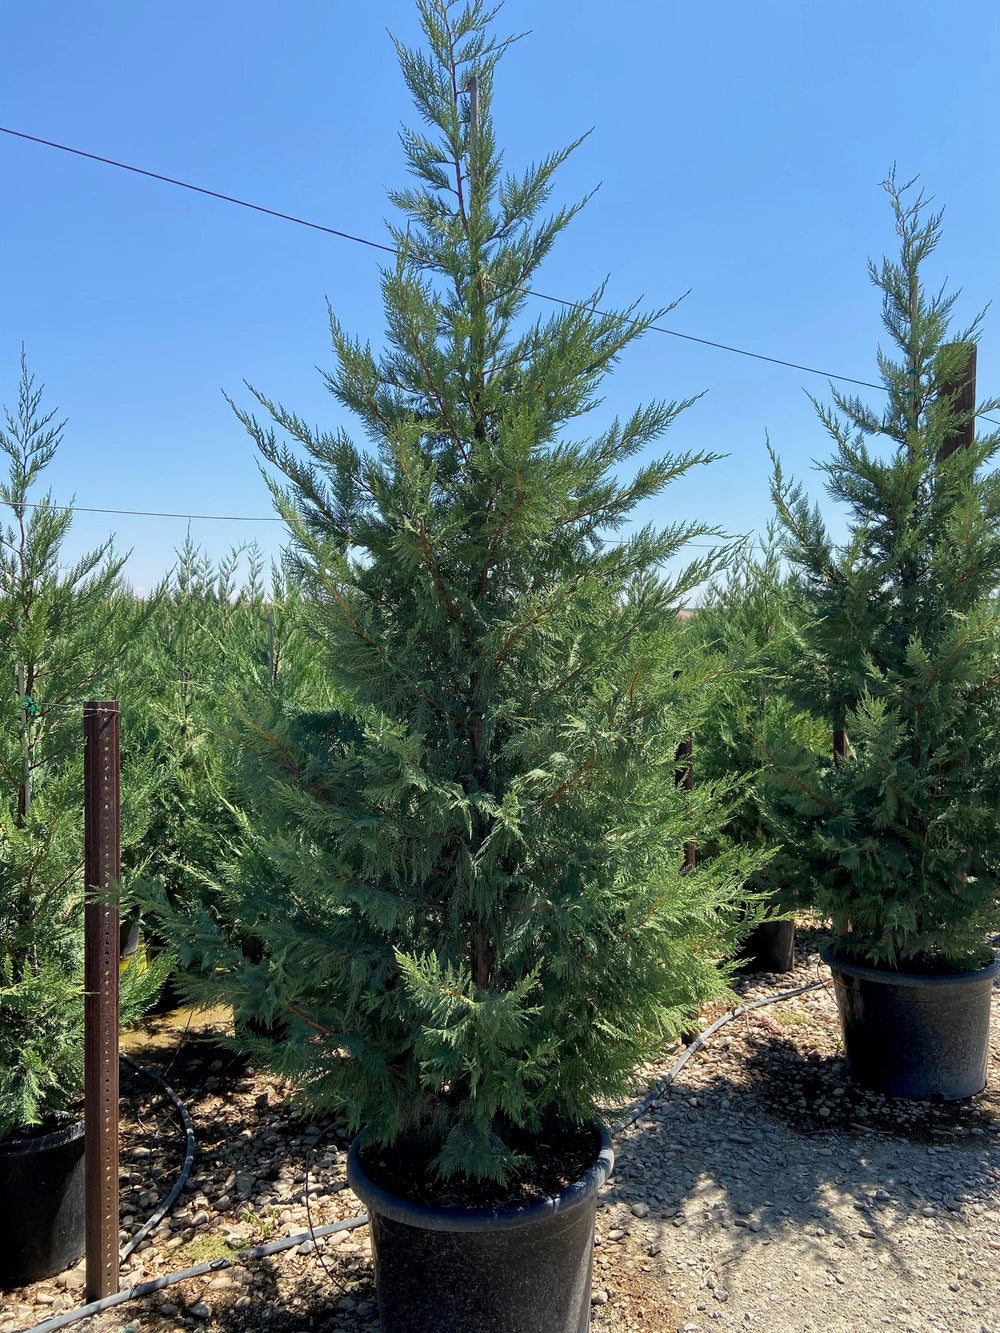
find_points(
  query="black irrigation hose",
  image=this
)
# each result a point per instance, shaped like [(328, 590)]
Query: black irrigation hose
[(697, 1044), (181, 1180), (199, 1270), (334, 1282), (276, 1247)]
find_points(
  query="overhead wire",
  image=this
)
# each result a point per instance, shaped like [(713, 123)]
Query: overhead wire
[(227, 518), (198, 189), (144, 513), (388, 249), (393, 250)]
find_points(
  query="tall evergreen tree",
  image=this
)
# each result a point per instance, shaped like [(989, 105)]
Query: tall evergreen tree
[(180, 666), (61, 629), (903, 658), (467, 888)]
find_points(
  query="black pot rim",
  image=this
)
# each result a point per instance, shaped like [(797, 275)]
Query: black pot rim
[(429, 1218), (58, 1137), (912, 979)]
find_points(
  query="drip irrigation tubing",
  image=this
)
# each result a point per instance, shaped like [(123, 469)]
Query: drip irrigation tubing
[(185, 1170), (199, 1270), (276, 1247), (699, 1041), (334, 1282)]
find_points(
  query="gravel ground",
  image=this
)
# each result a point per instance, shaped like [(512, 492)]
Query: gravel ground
[(762, 1192), (766, 1193)]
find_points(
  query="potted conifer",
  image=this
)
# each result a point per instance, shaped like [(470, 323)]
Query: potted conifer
[(899, 819), (59, 628), (464, 885)]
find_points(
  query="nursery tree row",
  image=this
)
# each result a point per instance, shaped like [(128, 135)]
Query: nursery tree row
[(407, 801)]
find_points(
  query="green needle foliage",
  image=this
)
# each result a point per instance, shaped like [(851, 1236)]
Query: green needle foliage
[(752, 620), (903, 648), (61, 630), (465, 886), (180, 665), (210, 639)]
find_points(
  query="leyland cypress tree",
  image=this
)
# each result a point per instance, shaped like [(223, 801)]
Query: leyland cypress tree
[(61, 628), (903, 657), (466, 883)]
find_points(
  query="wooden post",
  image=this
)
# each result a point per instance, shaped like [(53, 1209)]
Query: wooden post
[(102, 868), (963, 388)]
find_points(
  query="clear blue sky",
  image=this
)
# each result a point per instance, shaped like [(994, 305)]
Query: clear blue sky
[(740, 149)]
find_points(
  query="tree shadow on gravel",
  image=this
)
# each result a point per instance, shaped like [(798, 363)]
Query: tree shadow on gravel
[(762, 1139), (811, 1093), (317, 1304)]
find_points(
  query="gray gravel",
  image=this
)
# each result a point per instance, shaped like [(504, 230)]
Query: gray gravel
[(761, 1193), (760, 1217)]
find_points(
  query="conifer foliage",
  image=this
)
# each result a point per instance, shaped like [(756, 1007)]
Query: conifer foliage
[(209, 636), (211, 640), (466, 889), (752, 621), (61, 629), (904, 651)]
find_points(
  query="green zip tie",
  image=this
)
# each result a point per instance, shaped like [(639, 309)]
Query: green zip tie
[(28, 705)]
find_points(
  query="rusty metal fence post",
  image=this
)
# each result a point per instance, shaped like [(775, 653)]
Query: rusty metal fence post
[(102, 867)]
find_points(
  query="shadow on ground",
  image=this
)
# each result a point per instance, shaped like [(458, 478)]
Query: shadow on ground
[(763, 1141)]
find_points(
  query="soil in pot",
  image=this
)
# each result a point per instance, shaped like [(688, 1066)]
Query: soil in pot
[(41, 1220), (915, 1035), (514, 1261)]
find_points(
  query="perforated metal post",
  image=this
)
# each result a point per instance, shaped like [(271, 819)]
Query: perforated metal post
[(102, 867)]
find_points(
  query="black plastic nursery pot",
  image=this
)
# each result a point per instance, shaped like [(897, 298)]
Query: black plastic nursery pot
[(128, 939), (907, 1035), (41, 1206), (770, 947), (516, 1269)]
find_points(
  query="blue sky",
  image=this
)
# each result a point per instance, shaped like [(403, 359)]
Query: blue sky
[(739, 149)]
